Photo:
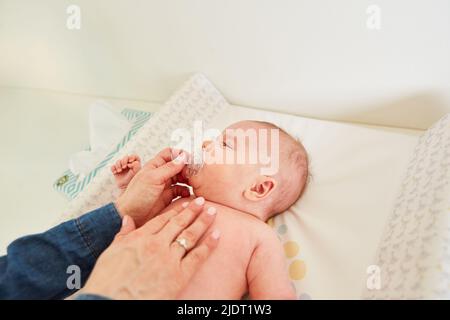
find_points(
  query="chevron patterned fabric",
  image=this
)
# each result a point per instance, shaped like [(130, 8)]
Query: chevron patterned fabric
[(71, 185)]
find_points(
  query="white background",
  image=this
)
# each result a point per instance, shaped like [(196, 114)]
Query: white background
[(313, 58)]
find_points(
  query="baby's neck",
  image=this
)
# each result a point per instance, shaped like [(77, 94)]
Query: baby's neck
[(257, 215)]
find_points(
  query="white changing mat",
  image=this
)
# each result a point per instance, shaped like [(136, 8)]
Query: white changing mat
[(331, 234)]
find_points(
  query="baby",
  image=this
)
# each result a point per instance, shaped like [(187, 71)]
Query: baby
[(249, 258)]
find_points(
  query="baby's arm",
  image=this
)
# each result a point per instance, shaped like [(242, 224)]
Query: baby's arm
[(267, 275)]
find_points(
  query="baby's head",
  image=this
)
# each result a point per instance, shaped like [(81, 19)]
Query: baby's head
[(236, 172)]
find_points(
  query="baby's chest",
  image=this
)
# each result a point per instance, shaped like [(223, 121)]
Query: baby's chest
[(223, 275)]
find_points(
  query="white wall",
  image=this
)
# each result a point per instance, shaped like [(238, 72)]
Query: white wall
[(314, 58)]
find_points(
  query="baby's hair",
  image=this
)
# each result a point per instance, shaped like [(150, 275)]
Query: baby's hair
[(298, 156), (307, 175)]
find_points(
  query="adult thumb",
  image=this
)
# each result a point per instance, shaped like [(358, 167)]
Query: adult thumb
[(170, 169)]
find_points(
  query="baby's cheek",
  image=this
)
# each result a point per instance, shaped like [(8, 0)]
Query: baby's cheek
[(209, 157)]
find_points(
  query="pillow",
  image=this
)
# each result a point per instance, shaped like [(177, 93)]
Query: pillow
[(413, 259), (70, 184)]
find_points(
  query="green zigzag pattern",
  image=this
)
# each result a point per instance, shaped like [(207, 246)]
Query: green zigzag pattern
[(70, 185)]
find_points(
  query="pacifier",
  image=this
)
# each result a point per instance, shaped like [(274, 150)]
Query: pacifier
[(195, 163)]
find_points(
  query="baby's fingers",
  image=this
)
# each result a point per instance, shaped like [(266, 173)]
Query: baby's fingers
[(118, 166), (135, 165), (124, 162), (133, 157)]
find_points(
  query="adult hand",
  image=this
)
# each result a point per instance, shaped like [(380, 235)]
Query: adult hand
[(147, 263), (153, 187)]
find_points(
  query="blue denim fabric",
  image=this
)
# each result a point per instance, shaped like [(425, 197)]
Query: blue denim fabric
[(91, 297), (35, 266)]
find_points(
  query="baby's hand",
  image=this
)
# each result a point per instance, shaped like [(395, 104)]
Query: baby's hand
[(125, 169)]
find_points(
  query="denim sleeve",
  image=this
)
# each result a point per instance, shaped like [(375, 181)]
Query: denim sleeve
[(56, 263), (91, 297)]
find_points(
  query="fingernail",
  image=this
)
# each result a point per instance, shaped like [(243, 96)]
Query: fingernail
[(124, 221), (199, 201), (185, 204), (212, 211), (180, 158), (216, 234)]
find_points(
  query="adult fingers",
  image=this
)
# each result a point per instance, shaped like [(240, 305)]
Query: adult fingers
[(180, 178), (164, 156), (173, 192), (170, 169), (197, 256), (169, 194), (190, 236), (181, 221), (157, 223)]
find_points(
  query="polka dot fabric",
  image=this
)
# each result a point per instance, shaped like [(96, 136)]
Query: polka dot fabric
[(296, 264)]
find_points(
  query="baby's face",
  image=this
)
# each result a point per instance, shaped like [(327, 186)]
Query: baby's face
[(230, 165)]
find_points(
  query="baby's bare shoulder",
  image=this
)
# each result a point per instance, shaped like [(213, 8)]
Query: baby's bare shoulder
[(267, 236), (235, 219)]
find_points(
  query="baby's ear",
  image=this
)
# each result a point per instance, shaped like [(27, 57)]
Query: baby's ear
[(261, 189)]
